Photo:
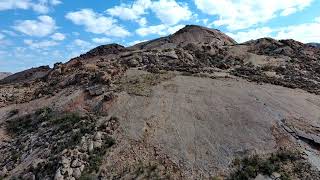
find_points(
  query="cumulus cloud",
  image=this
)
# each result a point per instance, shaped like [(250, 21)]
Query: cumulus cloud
[(58, 36), (251, 34), (97, 23), (40, 6), (44, 26), (161, 30), (131, 11), (142, 21), (40, 44), (81, 43), (101, 40), (14, 4), (168, 11), (241, 14), (55, 2), (306, 33)]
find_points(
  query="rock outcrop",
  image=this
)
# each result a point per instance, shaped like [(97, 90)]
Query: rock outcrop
[(192, 105)]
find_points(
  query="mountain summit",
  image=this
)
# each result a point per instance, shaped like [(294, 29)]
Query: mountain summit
[(192, 105), (189, 34)]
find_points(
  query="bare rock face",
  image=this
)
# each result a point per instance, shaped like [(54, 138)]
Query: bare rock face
[(192, 105)]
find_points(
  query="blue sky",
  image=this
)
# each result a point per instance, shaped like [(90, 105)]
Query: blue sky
[(42, 32)]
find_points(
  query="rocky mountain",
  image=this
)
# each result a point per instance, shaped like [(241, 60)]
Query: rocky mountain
[(27, 75), (190, 34), (192, 105), (4, 74), (314, 44)]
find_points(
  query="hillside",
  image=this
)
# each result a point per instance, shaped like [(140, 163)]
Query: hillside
[(4, 74), (192, 105)]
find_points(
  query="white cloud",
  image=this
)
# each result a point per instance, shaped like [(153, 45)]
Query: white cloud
[(101, 40), (170, 12), (288, 11), (44, 26), (97, 23), (317, 19), (306, 33), (142, 21), (241, 14), (14, 4), (55, 2), (251, 34), (131, 12), (11, 33), (41, 6), (40, 44), (58, 36), (81, 43), (1, 36), (158, 29)]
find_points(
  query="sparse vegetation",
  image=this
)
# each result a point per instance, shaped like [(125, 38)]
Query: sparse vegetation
[(86, 176), (149, 171), (54, 133), (140, 85), (95, 158), (20, 125), (249, 167)]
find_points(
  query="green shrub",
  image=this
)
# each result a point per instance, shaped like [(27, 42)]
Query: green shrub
[(96, 157), (21, 125), (249, 167), (86, 176)]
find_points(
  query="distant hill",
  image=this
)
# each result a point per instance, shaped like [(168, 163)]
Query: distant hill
[(4, 74), (314, 44), (26, 75)]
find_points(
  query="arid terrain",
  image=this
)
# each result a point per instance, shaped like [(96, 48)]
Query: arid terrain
[(192, 105), (4, 74)]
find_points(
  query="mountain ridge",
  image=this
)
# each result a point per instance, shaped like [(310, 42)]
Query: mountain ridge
[(192, 105)]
